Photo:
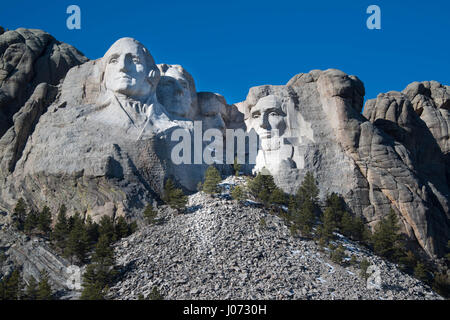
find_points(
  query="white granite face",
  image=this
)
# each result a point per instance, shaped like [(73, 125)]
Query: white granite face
[(130, 70), (176, 91), (268, 119), (128, 91), (212, 109)]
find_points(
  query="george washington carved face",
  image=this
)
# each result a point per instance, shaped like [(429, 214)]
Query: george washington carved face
[(129, 69)]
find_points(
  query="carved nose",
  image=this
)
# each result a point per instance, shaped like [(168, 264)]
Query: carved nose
[(122, 65), (178, 89), (264, 122)]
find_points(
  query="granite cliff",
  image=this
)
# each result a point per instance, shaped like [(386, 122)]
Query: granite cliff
[(96, 135)]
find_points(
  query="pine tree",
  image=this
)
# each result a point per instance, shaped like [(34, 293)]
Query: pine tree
[(99, 274), (169, 187), (236, 167), (212, 178), (10, 288), (92, 230), (263, 188), (364, 265), (78, 241), (150, 214), (441, 284), (18, 216), (106, 227), (408, 262), (155, 294), (44, 291), (237, 193), (174, 197), (386, 237), (31, 290), (338, 254), (264, 196), (305, 217), (45, 221), (92, 288), (347, 224), (328, 225), (103, 254), (337, 206), (31, 222), (61, 229), (360, 231), (121, 228), (278, 196), (308, 189), (179, 200), (420, 272)]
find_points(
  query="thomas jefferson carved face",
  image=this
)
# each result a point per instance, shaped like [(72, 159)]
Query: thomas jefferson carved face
[(176, 90), (268, 118), (130, 69)]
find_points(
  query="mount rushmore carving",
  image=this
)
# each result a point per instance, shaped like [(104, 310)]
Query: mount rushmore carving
[(100, 141)]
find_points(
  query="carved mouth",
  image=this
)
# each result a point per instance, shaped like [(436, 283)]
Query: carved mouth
[(124, 76), (265, 135)]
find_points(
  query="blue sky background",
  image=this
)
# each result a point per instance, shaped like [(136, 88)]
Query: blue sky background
[(230, 46)]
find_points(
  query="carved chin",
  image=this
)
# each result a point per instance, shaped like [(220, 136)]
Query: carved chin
[(179, 110)]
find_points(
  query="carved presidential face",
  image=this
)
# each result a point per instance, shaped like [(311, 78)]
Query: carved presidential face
[(268, 118), (130, 69), (176, 90)]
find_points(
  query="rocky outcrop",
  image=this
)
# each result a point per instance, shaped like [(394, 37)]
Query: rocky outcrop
[(34, 256), (29, 57), (423, 151), (221, 249), (375, 166), (13, 141)]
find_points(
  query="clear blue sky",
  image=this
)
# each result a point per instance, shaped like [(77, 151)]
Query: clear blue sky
[(230, 46)]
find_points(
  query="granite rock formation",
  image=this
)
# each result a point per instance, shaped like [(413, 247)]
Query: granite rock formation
[(100, 141), (391, 161), (33, 256), (29, 57)]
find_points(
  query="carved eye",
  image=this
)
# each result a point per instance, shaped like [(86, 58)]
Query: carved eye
[(255, 115), (273, 114), (136, 60), (113, 60)]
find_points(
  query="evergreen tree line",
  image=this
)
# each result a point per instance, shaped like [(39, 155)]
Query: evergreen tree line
[(32, 222), (13, 287), (74, 237), (307, 218), (79, 240)]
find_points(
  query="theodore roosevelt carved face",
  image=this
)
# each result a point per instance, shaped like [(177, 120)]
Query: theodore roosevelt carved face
[(130, 70)]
